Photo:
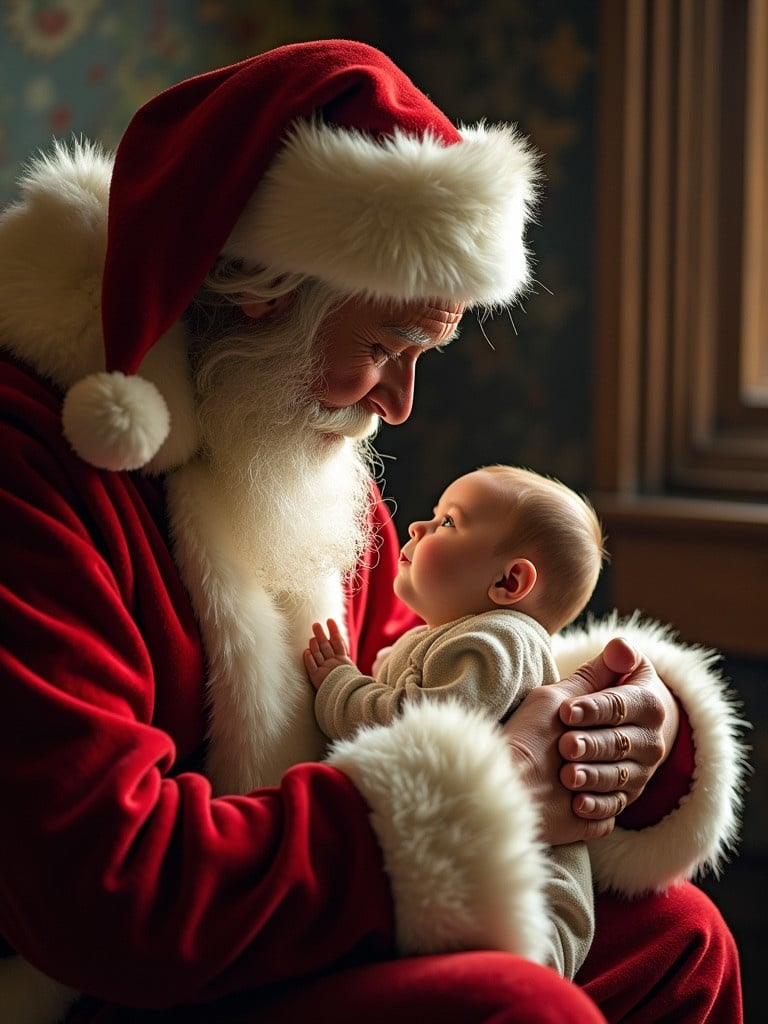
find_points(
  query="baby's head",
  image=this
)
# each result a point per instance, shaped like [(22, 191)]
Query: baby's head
[(559, 532), (503, 537)]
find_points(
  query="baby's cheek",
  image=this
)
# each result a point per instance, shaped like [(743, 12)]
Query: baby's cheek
[(437, 568)]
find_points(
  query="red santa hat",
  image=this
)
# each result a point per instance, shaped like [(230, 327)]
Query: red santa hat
[(320, 158)]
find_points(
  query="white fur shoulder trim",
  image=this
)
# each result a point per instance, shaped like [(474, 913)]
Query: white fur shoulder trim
[(457, 830), (698, 835), (53, 241), (52, 247)]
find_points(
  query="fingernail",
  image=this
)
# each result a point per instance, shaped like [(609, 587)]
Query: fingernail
[(579, 779), (577, 715), (588, 804)]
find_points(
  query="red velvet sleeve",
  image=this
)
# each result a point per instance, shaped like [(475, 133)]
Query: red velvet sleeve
[(376, 617), (117, 876)]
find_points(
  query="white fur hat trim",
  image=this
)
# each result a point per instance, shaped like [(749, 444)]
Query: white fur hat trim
[(402, 218)]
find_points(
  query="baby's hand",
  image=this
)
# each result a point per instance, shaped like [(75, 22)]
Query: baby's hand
[(326, 651)]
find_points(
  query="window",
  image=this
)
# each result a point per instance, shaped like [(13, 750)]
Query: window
[(681, 376)]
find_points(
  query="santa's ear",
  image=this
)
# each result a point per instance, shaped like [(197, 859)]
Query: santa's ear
[(257, 309), (517, 581)]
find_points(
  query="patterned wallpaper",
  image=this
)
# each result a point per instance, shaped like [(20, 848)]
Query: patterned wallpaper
[(515, 389)]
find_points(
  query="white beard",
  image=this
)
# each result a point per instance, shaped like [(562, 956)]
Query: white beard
[(266, 522), (293, 478), (299, 522)]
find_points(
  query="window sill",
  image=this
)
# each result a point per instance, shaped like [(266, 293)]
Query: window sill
[(701, 566)]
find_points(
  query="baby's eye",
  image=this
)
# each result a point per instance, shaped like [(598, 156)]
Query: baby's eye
[(447, 521)]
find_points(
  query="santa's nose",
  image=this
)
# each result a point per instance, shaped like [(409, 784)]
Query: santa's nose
[(392, 397)]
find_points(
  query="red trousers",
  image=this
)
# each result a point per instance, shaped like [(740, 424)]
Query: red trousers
[(659, 959)]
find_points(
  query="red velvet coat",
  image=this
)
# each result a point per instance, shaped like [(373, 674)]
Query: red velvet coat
[(160, 890)]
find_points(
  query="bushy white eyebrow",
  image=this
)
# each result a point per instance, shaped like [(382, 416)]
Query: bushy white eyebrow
[(417, 335)]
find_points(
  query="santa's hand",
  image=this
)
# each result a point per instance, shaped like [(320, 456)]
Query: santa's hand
[(613, 720), (617, 735), (326, 651)]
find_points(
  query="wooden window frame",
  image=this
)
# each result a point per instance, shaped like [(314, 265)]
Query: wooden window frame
[(681, 423)]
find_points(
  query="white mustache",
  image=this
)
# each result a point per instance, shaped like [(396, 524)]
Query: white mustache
[(353, 421)]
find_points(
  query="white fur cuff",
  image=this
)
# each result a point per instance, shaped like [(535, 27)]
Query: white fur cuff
[(697, 836), (457, 831)]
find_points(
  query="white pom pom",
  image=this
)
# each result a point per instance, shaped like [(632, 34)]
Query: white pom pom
[(115, 422)]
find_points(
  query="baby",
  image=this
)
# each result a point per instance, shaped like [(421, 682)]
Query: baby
[(508, 558)]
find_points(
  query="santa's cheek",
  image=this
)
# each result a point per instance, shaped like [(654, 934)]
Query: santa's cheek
[(342, 391)]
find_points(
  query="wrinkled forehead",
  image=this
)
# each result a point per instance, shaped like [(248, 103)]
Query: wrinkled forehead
[(423, 321)]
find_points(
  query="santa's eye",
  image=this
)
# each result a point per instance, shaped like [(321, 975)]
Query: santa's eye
[(381, 355)]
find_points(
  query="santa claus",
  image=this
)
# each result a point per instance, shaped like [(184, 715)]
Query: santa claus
[(199, 339)]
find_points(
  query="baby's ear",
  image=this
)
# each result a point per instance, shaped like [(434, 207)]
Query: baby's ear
[(517, 581)]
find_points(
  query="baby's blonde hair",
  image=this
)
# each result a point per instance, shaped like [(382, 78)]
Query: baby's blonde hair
[(559, 531)]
